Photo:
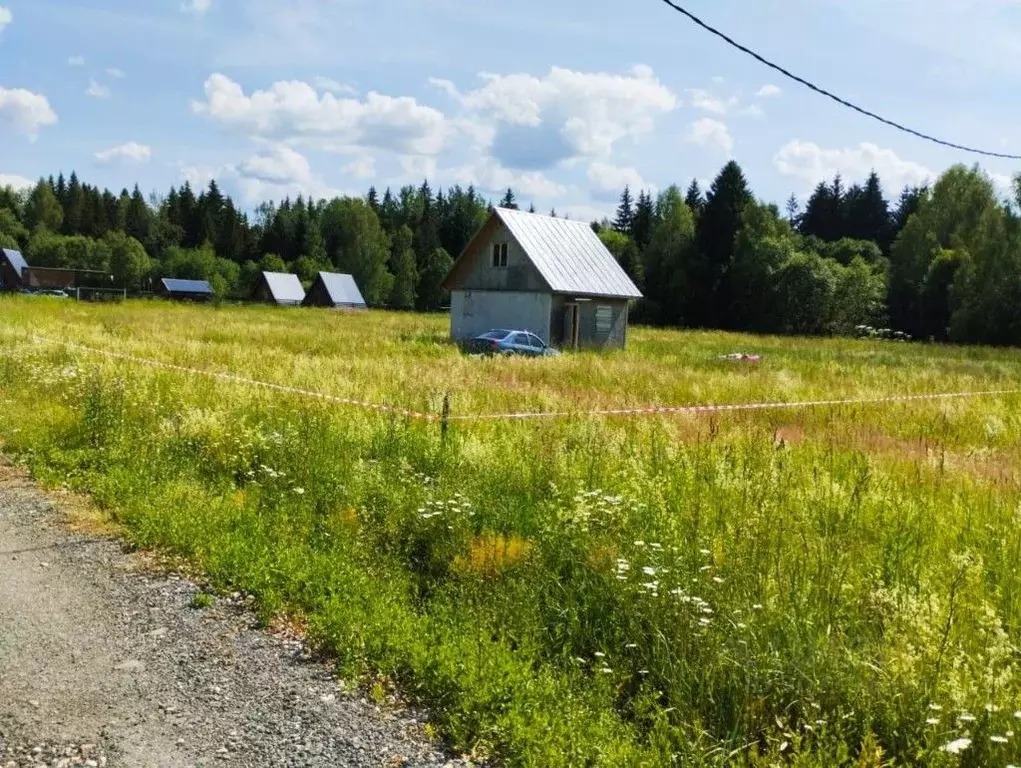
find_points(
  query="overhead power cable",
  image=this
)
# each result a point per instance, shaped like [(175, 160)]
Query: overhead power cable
[(808, 84)]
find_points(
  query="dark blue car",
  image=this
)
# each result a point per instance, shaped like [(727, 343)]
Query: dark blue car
[(504, 342)]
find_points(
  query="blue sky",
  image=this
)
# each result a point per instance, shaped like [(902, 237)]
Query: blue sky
[(565, 101)]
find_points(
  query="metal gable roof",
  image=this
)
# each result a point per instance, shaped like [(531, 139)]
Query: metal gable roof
[(342, 289), (285, 288), (16, 259), (187, 286), (569, 255)]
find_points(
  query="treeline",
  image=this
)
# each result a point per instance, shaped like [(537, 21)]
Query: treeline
[(397, 247), (941, 262)]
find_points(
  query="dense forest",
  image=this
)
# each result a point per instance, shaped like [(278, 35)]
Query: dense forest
[(940, 263)]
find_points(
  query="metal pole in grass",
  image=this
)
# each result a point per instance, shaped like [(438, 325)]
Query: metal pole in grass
[(445, 418)]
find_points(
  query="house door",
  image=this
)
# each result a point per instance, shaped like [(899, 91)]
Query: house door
[(571, 325)]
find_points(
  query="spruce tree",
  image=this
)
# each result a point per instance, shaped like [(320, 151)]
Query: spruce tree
[(694, 199), (509, 201), (718, 226), (625, 213), (644, 218), (793, 211)]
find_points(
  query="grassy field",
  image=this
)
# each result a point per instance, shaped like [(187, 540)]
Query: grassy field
[(819, 587)]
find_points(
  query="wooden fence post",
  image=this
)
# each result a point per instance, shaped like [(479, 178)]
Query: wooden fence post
[(445, 418)]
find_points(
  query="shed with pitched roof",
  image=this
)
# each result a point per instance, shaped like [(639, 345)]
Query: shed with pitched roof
[(552, 277)]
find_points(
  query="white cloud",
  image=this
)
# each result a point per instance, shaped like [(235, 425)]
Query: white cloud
[(97, 90), (753, 110), (76, 61), (711, 134), (293, 109), (27, 112), (607, 181), (119, 74), (6, 17), (418, 166), (129, 153), (591, 111), (275, 173), (280, 165), (768, 91), (584, 212), (198, 7), (707, 102), (18, 183), (330, 85), (811, 163), (362, 168), (487, 174)]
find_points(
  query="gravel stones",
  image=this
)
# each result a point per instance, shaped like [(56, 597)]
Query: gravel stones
[(105, 664)]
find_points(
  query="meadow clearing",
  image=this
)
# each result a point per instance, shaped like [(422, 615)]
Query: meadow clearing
[(811, 587)]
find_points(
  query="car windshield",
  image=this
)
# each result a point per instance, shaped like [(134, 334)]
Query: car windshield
[(495, 335)]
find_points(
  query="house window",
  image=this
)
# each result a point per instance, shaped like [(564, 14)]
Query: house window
[(604, 319), (500, 255)]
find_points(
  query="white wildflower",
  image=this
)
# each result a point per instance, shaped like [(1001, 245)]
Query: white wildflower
[(631, 645), (935, 707), (957, 746), (757, 607), (649, 571), (717, 579), (599, 655), (932, 721), (999, 739), (606, 670), (300, 491), (966, 717), (705, 552), (639, 543)]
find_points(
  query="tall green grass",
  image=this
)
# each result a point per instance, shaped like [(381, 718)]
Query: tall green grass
[(820, 588)]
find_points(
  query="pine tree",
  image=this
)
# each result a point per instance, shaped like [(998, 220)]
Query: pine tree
[(694, 199), (644, 218), (373, 199), (426, 229), (531, 208), (822, 216), (74, 206), (717, 228), (625, 213), (867, 213), (667, 260), (793, 211), (509, 201), (389, 214)]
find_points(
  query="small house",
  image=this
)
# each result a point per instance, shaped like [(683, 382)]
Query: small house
[(279, 288), (334, 290), (184, 290), (553, 277), (12, 268)]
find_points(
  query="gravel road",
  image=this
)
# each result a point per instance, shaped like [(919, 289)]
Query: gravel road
[(103, 663)]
